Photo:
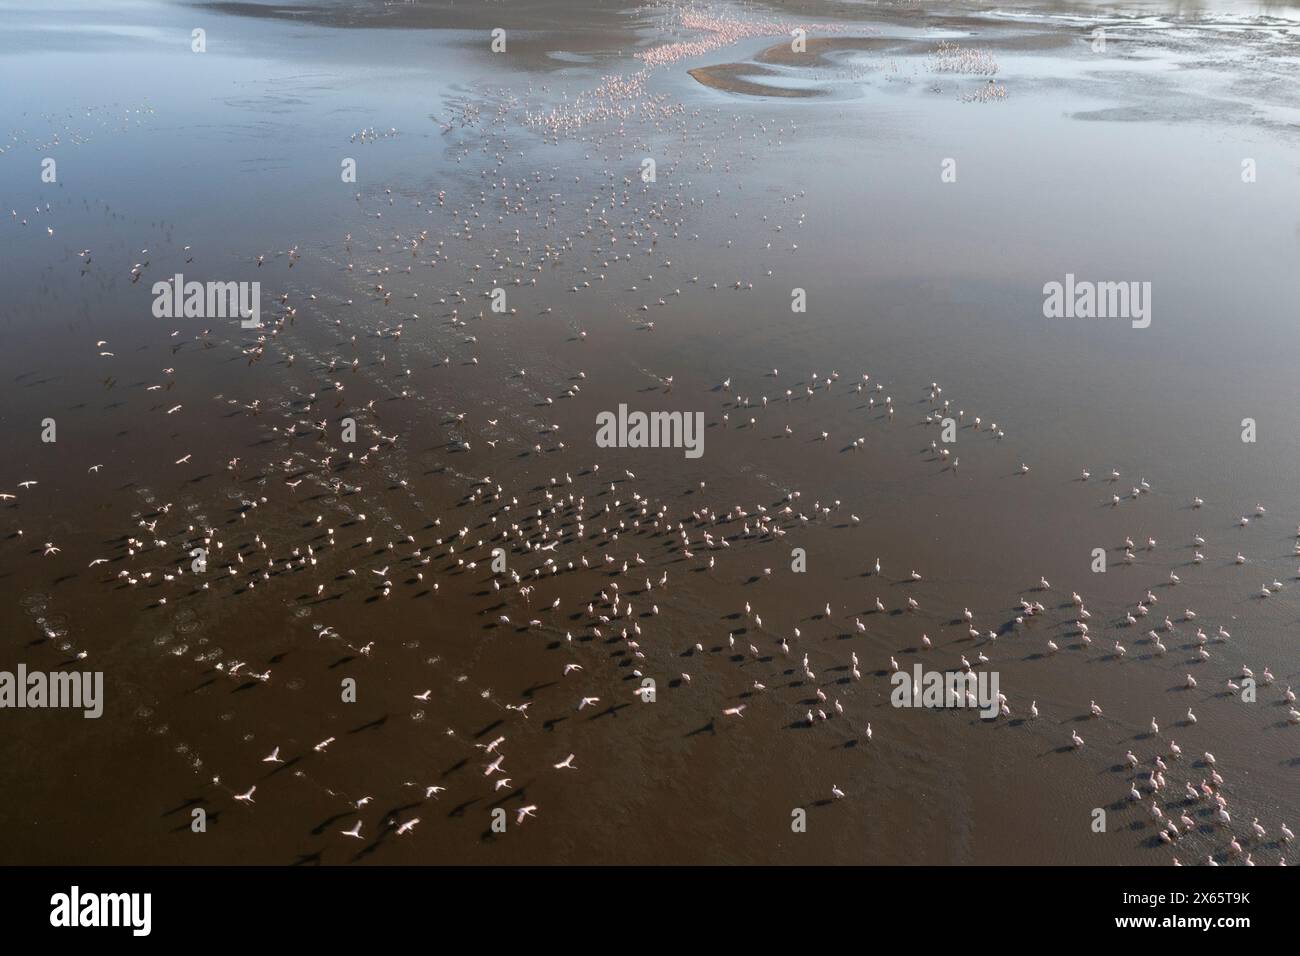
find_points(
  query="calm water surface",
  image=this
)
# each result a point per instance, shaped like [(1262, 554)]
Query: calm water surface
[(1115, 166)]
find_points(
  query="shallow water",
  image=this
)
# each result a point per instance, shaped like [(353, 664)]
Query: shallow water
[(1122, 166)]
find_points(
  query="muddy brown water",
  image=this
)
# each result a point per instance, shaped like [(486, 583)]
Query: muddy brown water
[(1115, 169)]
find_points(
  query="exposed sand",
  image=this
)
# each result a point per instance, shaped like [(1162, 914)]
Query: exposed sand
[(731, 77), (818, 54)]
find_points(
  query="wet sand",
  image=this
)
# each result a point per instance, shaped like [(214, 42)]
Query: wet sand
[(731, 77)]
